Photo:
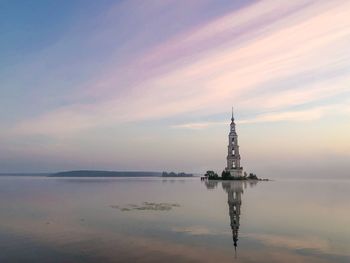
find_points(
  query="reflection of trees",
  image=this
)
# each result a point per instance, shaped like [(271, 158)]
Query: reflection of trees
[(251, 183), (211, 184)]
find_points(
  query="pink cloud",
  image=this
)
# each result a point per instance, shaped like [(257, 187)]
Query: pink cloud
[(313, 37)]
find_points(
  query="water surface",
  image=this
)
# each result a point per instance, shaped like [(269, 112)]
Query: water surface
[(173, 220)]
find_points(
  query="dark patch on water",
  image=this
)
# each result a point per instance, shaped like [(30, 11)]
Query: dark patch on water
[(147, 206)]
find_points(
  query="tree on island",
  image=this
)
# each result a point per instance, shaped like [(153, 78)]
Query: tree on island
[(252, 176), (211, 175), (225, 175)]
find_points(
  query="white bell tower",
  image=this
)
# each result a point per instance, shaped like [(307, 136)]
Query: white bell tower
[(233, 156)]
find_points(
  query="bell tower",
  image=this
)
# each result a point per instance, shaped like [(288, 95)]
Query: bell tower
[(233, 156)]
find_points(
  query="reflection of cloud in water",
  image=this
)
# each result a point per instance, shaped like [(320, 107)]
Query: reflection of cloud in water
[(195, 230), (307, 245), (290, 242), (109, 246), (147, 206)]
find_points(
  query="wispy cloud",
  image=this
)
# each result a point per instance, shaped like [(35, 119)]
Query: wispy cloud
[(225, 61), (198, 125), (273, 61), (312, 114), (301, 115)]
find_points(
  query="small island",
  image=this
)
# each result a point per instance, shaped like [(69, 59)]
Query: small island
[(226, 175)]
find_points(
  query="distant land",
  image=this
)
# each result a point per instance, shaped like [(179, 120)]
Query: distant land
[(92, 173), (102, 173), (24, 174), (172, 174)]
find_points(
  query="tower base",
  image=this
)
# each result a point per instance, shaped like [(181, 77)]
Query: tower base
[(235, 173)]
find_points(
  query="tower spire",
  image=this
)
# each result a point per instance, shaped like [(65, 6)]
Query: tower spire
[(232, 119)]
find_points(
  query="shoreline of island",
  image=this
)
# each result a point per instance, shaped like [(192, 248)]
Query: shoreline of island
[(227, 176)]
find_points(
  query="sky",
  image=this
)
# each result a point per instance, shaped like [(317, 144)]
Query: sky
[(149, 85)]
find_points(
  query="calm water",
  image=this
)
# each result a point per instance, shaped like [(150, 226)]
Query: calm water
[(181, 220)]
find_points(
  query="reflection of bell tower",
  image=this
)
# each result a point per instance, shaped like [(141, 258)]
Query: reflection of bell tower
[(234, 192)]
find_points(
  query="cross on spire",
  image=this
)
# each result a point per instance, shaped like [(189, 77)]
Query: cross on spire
[(232, 119)]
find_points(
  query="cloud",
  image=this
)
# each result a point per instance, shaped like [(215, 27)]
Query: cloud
[(311, 114), (206, 69), (301, 115), (197, 125)]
